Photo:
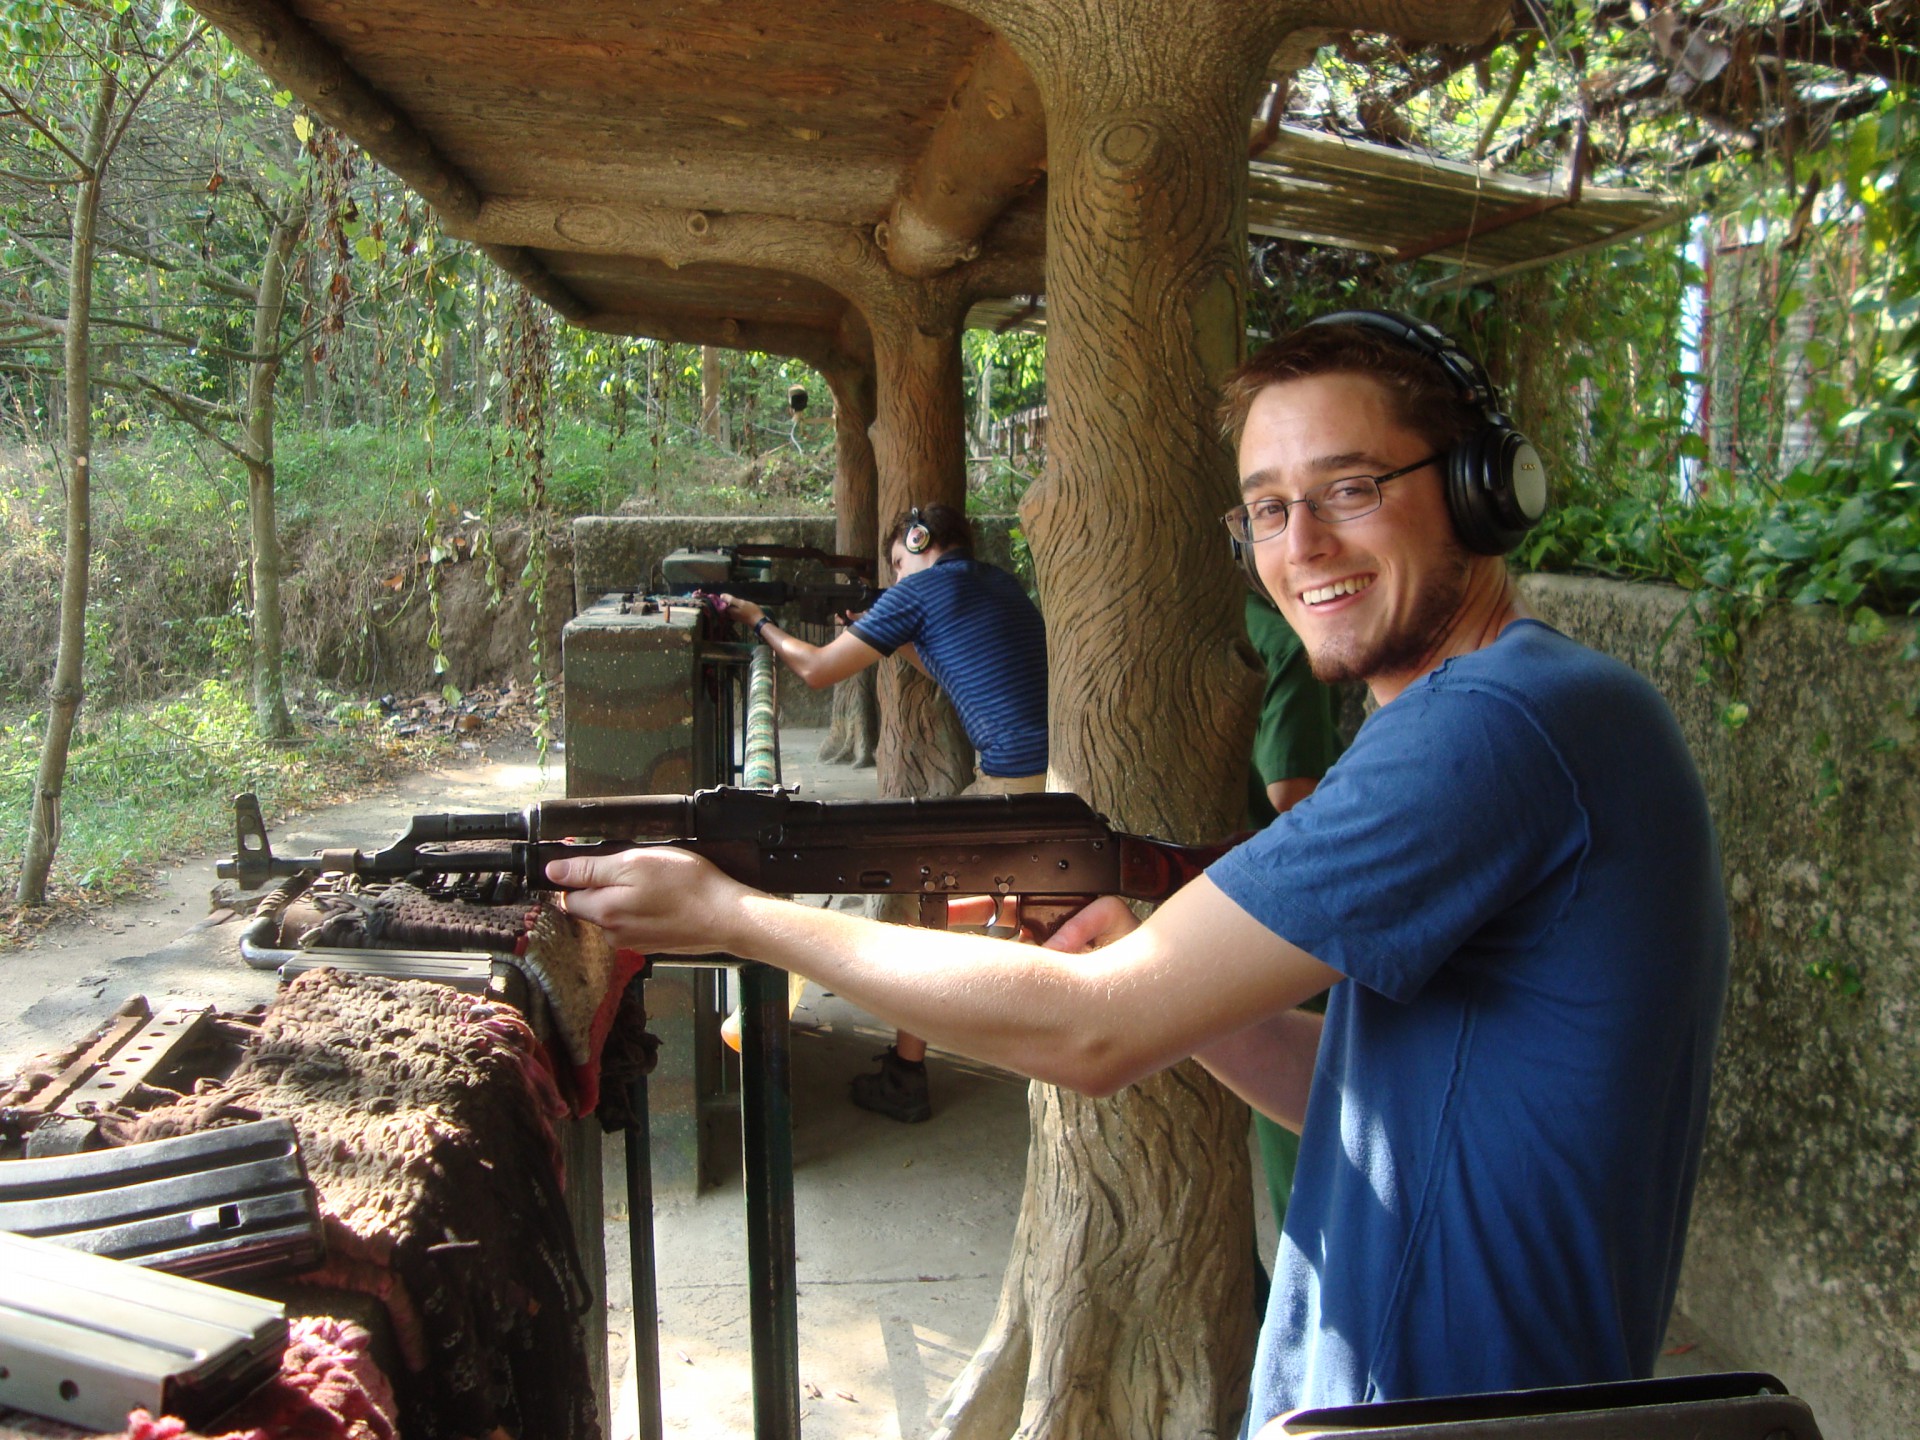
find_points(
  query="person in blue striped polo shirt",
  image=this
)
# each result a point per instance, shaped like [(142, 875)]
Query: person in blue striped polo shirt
[(971, 627)]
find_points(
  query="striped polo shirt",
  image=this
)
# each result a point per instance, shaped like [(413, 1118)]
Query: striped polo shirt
[(984, 644)]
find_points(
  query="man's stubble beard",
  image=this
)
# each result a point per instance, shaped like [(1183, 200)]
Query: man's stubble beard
[(1346, 658)]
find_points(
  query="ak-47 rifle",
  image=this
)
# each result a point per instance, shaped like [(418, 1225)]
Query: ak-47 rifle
[(1051, 850), (744, 571)]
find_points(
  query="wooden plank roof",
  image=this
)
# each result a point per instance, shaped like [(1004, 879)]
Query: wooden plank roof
[(582, 144), (1331, 191)]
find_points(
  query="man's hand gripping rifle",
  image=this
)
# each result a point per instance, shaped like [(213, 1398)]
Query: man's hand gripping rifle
[(1053, 851)]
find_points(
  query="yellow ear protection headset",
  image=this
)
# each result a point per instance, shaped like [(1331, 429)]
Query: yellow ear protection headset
[(916, 537), (1496, 488)]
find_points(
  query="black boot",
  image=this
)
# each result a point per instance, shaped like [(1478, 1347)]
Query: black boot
[(897, 1090)]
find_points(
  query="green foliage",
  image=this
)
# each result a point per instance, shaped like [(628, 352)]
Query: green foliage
[(1016, 362), (1882, 177), (1843, 976), (169, 595), (1855, 545), (169, 534), (1648, 489), (147, 784), (358, 473), (1022, 552), (999, 485)]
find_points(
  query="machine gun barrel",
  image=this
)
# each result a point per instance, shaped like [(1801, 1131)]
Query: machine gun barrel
[(817, 604)]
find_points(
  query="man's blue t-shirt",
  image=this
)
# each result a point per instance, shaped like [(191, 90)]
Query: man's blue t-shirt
[(983, 643), (1515, 870)]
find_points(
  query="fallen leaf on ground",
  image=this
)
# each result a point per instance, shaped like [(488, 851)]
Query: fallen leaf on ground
[(1679, 1349)]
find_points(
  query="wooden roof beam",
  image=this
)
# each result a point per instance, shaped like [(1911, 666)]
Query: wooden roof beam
[(842, 257), (989, 148), (538, 281)]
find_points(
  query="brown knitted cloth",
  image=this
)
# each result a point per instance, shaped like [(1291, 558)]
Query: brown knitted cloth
[(427, 1121), (572, 963)]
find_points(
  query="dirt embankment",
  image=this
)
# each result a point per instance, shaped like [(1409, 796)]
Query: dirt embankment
[(363, 610), (374, 626)]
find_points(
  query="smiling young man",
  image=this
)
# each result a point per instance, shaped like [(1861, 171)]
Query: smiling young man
[(1509, 882)]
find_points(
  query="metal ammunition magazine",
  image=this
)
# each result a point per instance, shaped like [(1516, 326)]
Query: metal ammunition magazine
[(217, 1204), (85, 1339)]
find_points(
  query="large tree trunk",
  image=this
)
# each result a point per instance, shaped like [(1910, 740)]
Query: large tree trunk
[(269, 682), (63, 709), (854, 729), (1128, 1307), (1102, 1328), (919, 445)]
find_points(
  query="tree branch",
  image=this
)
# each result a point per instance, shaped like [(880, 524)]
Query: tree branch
[(53, 325), (44, 324), (1522, 63), (57, 264), (39, 182), (195, 412), (215, 280), (18, 110), (138, 98)]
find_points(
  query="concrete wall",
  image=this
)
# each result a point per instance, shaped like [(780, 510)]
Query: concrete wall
[(1804, 1256)]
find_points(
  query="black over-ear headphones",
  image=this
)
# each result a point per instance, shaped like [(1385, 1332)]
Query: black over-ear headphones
[(1496, 486), (916, 537)]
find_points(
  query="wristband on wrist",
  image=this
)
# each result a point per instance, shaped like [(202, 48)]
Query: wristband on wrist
[(761, 624)]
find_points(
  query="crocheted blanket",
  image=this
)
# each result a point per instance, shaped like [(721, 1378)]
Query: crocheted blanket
[(426, 1117)]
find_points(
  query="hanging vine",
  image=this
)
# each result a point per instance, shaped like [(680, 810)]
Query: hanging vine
[(331, 168)]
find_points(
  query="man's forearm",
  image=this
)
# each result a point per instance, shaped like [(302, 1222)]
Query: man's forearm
[(1093, 1022), (819, 665), (1270, 1064), (796, 654)]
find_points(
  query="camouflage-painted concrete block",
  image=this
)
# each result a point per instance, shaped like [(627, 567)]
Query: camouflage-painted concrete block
[(630, 681)]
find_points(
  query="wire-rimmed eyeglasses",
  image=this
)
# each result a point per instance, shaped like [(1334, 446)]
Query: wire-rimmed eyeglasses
[(1347, 498)]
